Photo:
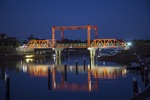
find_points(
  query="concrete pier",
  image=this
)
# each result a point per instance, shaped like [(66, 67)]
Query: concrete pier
[(58, 52), (92, 60), (92, 52), (58, 61)]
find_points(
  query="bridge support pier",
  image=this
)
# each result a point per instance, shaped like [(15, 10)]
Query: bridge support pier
[(92, 60), (58, 61), (58, 52), (92, 52), (58, 55), (92, 55)]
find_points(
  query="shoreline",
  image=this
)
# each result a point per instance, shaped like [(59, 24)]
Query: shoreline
[(108, 58), (13, 57)]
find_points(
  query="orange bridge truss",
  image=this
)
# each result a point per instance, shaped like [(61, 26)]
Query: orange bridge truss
[(96, 43), (39, 44), (105, 43)]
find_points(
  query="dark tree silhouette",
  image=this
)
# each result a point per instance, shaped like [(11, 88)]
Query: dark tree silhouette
[(31, 37), (2, 38)]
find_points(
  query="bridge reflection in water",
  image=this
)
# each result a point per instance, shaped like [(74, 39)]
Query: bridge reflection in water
[(90, 80)]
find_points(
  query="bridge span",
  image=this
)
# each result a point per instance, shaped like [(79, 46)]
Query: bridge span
[(90, 45), (93, 46)]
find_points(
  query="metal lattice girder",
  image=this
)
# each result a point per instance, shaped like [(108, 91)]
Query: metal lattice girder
[(97, 43), (40, 44), (103, 43)]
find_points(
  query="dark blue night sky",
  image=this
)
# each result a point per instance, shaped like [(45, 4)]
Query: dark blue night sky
[(123, 19)]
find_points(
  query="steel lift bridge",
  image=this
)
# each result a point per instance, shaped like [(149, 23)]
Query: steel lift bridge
[(92, 46)]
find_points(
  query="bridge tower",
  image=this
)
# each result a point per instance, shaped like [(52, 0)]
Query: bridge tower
[(62, 28)]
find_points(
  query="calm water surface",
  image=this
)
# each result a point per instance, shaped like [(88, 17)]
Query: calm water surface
[(104, 81)]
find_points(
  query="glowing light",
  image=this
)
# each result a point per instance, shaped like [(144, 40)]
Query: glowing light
[(54, 58), (129, 43), (24, 46), (55, 85), (71, 68), (6, 76), (29, 60), (88, 66), (29, 56), (90, 86), (24, 68)]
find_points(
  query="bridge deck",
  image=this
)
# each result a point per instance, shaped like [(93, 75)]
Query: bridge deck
[(97, 43)]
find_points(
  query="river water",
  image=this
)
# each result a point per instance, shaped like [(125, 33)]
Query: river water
[(103, 80)]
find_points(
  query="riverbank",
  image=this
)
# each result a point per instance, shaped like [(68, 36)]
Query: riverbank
[(12, 57), (130, 55), (10, 53)]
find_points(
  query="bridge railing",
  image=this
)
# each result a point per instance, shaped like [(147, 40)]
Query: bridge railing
[(109, 44), (71, 45)]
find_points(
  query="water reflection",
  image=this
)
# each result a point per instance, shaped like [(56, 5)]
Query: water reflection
[(90, 75), (46, 74), (41, 70)]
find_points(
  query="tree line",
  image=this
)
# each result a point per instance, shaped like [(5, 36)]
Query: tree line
[(13, 41), (8, 41)]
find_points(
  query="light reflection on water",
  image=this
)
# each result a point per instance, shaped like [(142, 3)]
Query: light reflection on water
[(105, 80)]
